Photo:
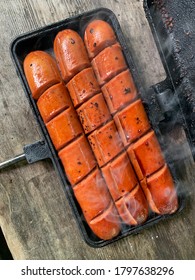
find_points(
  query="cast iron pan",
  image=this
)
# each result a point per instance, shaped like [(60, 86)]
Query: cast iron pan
[(157, 109)]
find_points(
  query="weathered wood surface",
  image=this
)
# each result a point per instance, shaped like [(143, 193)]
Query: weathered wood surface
[(35, 216)]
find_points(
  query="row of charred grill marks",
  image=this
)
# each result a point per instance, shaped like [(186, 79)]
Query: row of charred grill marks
[(117, 129)]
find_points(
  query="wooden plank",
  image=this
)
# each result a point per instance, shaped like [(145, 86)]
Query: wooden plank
[(35, 216)]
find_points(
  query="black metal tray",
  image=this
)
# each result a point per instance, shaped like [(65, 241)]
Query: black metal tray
[(42, 39)]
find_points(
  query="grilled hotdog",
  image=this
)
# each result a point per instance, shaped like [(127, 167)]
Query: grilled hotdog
[(98, 208), (66, 133), (107, 224), (92, 191), (95, 116), (131, 121)]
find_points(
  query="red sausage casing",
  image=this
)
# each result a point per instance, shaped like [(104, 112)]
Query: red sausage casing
[(92, 195), (83, 86), (98, 35), (132, 122), (133, 207), (78, 159), (146, 155), (119, 91), (53, 101), (105, 143), (70, 53), (64, 128), (93, 113), (160, 191), (39, 76), (108, 63), (107, 225), (119, 176)]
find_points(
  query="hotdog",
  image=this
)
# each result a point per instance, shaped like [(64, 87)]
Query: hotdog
[(96, 118), (132, 123), (72, 146)]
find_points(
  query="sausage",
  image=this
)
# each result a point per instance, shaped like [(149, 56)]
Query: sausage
[(119, 91), (119, 176), (64, 128), (107, 225), (82, 86), (146, 155), (77, 159), (105, 143), (53, 101), (134, 129), (70, 53), (132, 122), (92, 195), (160, 191), (108, 63), (39, 76), (74, 151), (98, 35), (133, 208), (93, 113)]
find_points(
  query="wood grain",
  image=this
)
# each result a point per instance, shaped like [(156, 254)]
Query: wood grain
[(35, 216)]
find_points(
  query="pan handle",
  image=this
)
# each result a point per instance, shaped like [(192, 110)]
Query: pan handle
[(32, 153)]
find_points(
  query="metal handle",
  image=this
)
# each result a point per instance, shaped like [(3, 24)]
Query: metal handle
[(32, 153), (12, 161)]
